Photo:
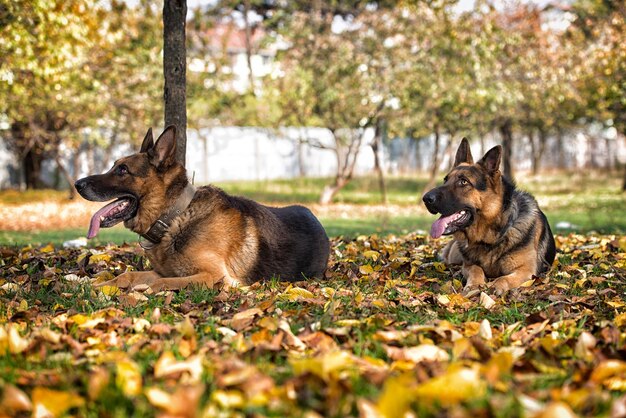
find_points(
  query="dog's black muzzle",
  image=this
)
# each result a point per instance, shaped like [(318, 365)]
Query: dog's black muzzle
[(96, 189), (432, 200)]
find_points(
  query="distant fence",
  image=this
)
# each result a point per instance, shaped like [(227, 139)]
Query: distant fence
[(246, 153)]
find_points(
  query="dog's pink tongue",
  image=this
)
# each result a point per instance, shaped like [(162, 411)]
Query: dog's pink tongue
[(439, 226), (94, 225)]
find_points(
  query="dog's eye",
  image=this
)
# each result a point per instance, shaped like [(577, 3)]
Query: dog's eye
[(463, 182), (121, 170)]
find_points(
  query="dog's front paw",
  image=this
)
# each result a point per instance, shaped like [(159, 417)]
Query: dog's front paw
[(471, 289), (500, 286), (130, 279), (120, 282)]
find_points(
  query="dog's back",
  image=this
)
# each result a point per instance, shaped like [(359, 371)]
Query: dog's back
[(288, 243)]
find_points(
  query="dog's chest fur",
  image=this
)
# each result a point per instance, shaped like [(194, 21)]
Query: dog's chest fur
[(505, 244)]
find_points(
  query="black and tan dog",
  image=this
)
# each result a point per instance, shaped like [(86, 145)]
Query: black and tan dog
[(200, 236), (500, 234)]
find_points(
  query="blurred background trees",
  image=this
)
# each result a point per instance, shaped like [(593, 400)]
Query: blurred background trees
[(75, 75)]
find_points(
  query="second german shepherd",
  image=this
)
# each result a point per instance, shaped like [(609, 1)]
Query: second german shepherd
[(499, 232), (200, 236)]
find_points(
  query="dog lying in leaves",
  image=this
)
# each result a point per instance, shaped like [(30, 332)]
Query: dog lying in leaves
[(500, 234), (200, 236)]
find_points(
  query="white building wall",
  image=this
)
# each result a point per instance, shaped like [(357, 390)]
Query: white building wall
[(247, 153), (232, 153)]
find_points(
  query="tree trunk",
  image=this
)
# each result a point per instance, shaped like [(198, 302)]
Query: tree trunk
[(540, 151), (345, 167), (591, 155), (482, 144), (300, 151), (31, 164), (108, 151), (506, 130), (435, 165), (330, 190), (66, 175), (174, 70), (533, 150), (248, 43), (537, 149), (76, 163), (624, 180), (560, 149), (610, 160), (376, 147), (448, 151), (90, 157)]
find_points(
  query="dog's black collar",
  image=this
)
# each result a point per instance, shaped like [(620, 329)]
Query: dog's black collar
[(161, 225)]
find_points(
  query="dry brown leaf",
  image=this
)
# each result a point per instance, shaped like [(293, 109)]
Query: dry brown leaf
[(191, 368), (290, 340), (14, 400)]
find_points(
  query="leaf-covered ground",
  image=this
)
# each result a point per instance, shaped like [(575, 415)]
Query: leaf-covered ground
[(387, 333)]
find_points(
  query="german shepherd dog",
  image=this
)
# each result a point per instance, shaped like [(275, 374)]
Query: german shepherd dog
[(200, 236), (499, 232)]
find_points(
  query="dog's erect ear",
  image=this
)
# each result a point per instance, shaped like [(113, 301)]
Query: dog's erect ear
[(148, 142), (464, 153), (491, 160), (163, 153)]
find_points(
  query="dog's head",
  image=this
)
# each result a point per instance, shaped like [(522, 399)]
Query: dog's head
[(131, 181), (469, 189)]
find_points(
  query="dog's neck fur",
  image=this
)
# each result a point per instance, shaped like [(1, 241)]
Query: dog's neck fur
[(160, 227), (151, 207)]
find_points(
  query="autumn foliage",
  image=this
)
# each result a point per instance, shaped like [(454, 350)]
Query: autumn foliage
[(387, 333)]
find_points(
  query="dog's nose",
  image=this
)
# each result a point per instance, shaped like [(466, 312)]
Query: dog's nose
[(429, 198), (80, 185)]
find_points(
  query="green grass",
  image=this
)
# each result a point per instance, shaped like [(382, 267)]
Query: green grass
[(361, 190), (117, 235), (589, 203)]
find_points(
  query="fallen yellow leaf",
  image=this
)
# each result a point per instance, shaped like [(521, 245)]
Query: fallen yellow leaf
[(228, 398), (294, 294), (396, 397), (17, 343), (47, 249), (128, 377), (608, 369), (371, 254), (53, 403), (366, 269), (466, 382), (110, 290), (616, 303), (327, 366), (96, 258)]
